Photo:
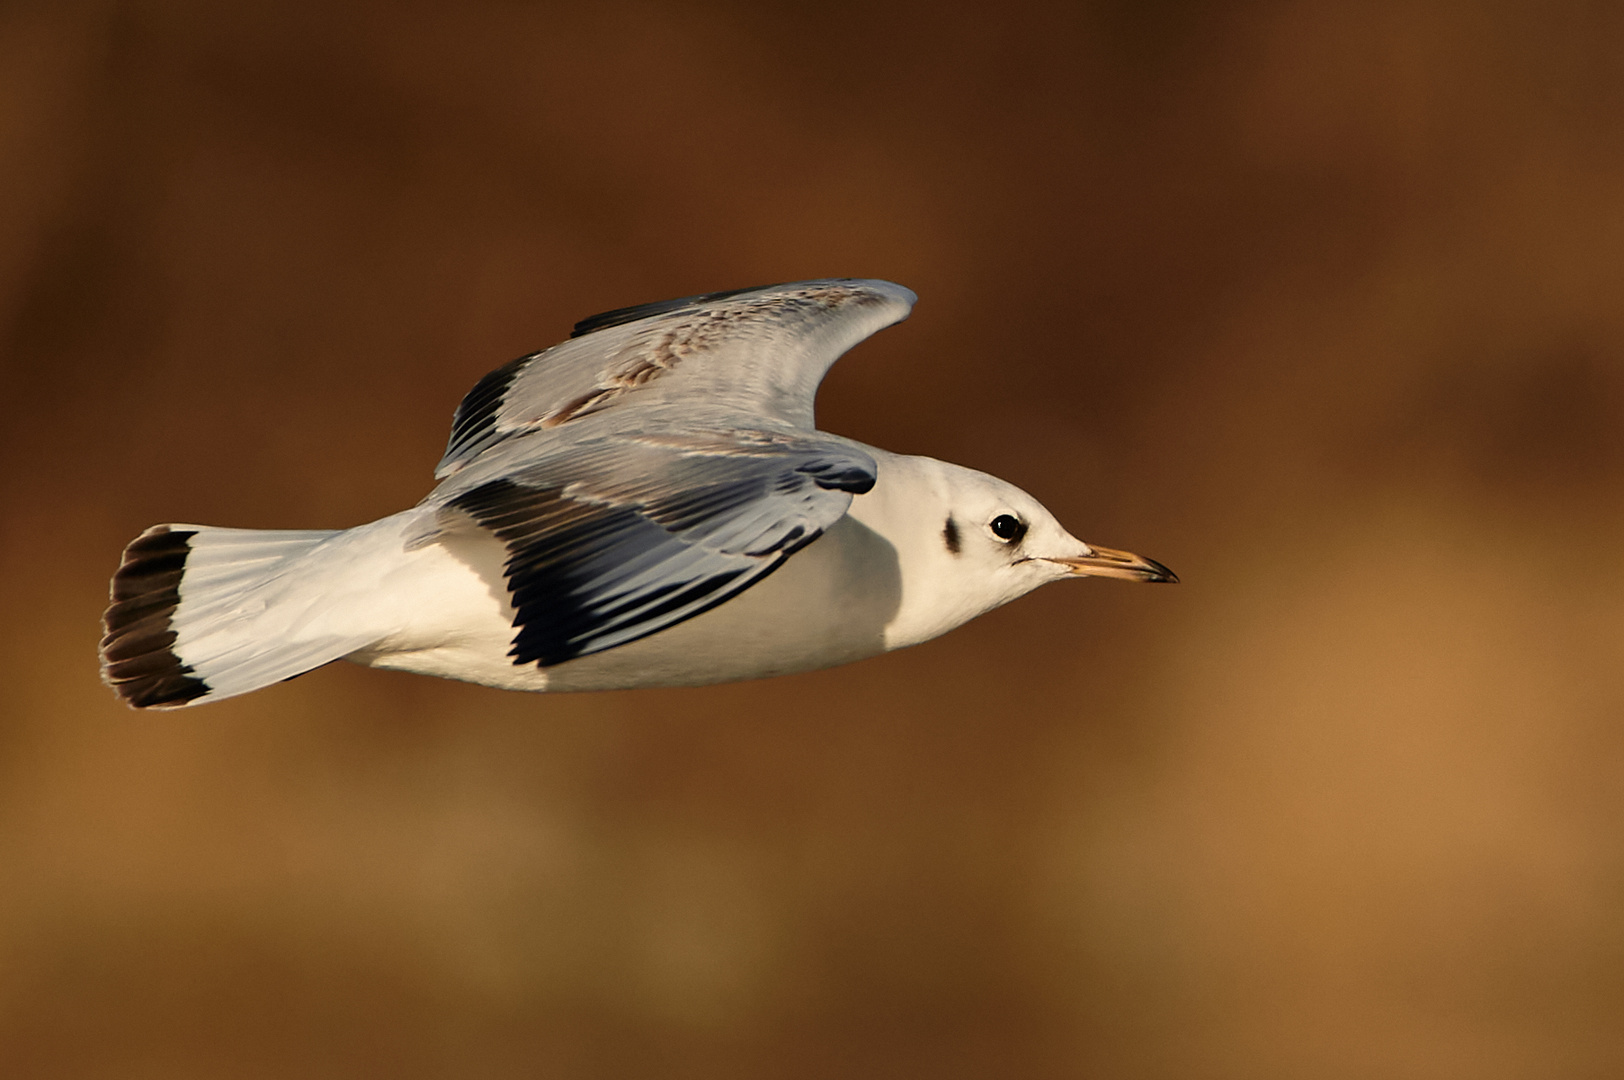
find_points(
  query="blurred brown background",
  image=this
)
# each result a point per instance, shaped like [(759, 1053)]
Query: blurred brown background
[(1319, 303)]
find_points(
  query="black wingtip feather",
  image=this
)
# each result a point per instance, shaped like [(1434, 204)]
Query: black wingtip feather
[(558, 548), (476, 414), (138, 660)]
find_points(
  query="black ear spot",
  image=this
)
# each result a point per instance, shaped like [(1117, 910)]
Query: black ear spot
[(950, 535), (1008, 528)]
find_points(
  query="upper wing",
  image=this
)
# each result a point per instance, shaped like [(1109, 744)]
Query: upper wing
[(612, 538), (760, 351)]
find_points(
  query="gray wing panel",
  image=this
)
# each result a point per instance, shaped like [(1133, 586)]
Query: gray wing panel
[(757, 351), (624, 536)]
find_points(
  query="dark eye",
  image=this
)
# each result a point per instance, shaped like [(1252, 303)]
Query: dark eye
[(1008, 527)]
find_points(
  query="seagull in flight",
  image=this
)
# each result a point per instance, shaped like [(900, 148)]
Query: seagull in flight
[(648, 503)]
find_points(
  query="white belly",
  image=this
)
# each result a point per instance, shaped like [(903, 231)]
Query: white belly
[(829, 604)]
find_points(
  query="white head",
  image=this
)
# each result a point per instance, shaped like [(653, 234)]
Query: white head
[(968, 542)]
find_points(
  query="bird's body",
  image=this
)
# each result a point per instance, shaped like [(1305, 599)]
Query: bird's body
[(647, 504)]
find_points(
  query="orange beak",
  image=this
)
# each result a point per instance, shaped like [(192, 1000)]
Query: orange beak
[(1105, 562)]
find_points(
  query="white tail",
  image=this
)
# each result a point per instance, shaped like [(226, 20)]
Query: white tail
[(200, 614)]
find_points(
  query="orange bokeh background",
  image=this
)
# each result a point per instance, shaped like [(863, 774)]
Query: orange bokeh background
[(1318, 303)]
